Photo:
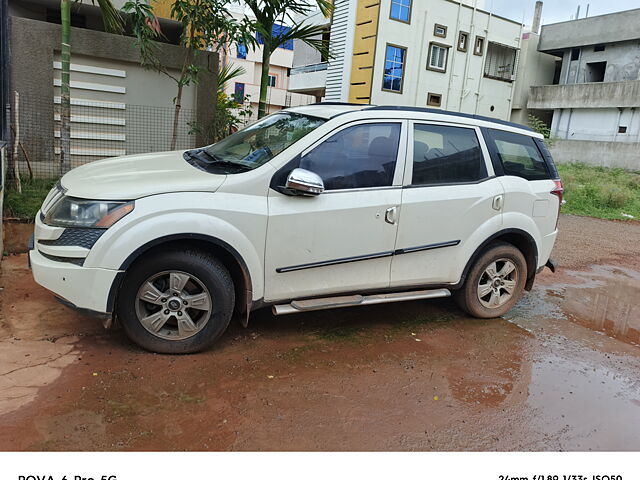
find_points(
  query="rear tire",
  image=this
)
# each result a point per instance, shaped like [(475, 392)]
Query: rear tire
[(176, 302), (494, 283)]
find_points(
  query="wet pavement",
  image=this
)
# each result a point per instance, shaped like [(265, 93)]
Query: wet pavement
[(560, 372)]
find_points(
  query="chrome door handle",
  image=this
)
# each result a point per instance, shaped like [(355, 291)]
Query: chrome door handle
[(390, 215), (497, 202)]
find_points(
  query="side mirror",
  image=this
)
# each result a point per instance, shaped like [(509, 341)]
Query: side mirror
[(304, 182)]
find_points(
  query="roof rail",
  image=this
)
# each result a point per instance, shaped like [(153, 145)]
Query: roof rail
[(343, 103), (448, 112)]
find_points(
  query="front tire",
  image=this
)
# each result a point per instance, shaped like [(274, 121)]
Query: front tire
[(176, 302), (495, 283)]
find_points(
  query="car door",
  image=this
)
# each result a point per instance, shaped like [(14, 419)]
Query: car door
[(341, 240), (451, 202)]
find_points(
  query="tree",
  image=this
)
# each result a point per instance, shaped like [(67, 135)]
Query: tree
[(112, 23), (206, 24), (268, 13)]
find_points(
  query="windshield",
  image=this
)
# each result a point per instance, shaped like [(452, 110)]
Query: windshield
[(255, 145)]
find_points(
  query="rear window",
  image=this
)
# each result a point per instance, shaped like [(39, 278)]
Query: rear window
[(518, 155)]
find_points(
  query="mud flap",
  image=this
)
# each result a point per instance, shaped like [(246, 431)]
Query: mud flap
[(244, 316), (551, 265)]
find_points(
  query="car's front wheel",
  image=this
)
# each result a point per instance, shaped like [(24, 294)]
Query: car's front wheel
[(176, 302), (494, 283)]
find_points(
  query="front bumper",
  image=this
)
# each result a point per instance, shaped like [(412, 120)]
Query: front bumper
[(85, 288)]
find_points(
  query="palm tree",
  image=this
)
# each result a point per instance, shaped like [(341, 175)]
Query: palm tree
[(270, 12), (113, 23)]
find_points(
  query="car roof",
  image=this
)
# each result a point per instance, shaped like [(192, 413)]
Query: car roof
[(330, 110)]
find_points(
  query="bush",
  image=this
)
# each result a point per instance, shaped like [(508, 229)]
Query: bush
[(614, 196)]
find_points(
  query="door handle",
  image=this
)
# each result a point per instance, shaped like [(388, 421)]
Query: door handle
[(390, 215), (497, 202)]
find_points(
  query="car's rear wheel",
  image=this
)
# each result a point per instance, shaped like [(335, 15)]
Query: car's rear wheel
[(494, 283), (176, 302)]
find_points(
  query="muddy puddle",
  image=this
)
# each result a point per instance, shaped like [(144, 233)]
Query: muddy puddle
[(605, 299)]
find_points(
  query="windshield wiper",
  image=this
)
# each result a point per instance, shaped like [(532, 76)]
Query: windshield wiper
[(212, 160)]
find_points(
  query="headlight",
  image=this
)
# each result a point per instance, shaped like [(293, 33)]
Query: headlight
[(74, 212)]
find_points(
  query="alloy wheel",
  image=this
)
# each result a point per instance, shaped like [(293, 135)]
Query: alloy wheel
[(497, 283), (173, 305)]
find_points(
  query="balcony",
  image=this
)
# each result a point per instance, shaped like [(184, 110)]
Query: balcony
[(585, 95), (310, 79)]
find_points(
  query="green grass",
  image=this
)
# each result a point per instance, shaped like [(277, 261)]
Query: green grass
[(25, 205), (600, 192)]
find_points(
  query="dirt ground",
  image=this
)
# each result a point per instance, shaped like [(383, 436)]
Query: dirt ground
[(560, 372)]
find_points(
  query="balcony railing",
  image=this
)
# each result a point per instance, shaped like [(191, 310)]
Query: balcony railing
[(316, 67)]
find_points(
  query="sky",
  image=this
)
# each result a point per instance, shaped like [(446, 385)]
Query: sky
[(555, 11)]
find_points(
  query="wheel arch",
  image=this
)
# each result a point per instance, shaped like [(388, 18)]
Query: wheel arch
[(520, 239), (224, 252)]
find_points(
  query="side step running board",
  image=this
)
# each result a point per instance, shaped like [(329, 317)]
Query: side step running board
[(298, 306)]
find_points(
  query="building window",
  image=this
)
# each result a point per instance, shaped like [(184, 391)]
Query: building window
[(438, 54), (440, 30), (394, 68), (598, 48), (401, 10), (575, 54), (622, 129), (478, 47), (501, 62), (272, 80), (434, 99), (463, 41), (242, 51), (595, 72), (239, 92)]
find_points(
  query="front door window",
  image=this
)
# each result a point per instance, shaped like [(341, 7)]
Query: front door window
[(361, 156)]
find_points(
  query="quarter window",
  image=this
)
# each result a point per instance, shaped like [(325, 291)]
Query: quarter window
[(445, 155), (401, 10), (394, 68), (357, 157), (438, 57), (518, 155)]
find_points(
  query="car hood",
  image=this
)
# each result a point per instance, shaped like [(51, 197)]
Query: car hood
[(136, 176)]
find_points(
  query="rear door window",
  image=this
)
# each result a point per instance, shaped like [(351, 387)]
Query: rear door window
[(361, 156), (517, 154), (446, 155)]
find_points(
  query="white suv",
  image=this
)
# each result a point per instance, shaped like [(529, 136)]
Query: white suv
[(323, 206)]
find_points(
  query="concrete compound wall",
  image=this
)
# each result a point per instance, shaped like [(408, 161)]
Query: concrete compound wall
[(601, 154), (35, 46)]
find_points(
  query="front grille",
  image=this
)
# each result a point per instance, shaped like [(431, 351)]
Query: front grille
[(76, 237), (75, 261)]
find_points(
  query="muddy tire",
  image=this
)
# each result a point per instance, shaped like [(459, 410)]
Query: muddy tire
[(176, 302), (495, 282)]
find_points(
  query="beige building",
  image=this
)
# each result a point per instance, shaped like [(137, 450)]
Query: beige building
[(278, 94)]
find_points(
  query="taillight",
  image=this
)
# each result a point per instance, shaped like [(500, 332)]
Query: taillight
[(558, 191)]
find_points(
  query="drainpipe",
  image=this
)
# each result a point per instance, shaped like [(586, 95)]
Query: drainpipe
[(517, 60), (484, 59), (470, 46), (422, 47), (454, 55)]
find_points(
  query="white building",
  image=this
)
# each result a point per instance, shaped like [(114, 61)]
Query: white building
[(428, 53)]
